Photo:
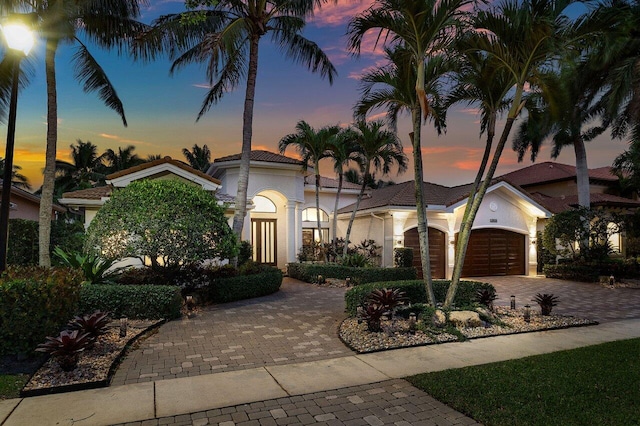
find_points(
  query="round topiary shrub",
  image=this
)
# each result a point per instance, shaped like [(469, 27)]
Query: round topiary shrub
[(166, 223)]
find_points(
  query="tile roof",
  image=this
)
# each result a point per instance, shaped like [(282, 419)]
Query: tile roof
[(603, 173), (30, 196), (96, 193), (326, 182), (263, 156), (559, 204), (550, 171), (160, 161)]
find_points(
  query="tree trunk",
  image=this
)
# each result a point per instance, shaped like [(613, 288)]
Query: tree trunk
[(355, 209), (421, 206), (324, 252), (247, 132), (334, 230), (466, 224), (582, 173), (46, 198)]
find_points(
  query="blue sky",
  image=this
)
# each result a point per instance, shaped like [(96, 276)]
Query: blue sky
[(161, 110)]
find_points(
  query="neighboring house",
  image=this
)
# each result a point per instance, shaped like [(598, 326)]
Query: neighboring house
[(281, 217), (25, 205)]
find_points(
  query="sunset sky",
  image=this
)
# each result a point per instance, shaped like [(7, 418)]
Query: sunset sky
[(161, 109)]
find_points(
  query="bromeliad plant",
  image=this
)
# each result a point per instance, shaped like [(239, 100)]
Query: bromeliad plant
[(94, 324), (486, 296), (66, 347), (372, 314), (389, 299), (546, 302)]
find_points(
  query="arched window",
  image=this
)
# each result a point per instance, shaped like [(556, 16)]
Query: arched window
[(310, 214), (263, 205)]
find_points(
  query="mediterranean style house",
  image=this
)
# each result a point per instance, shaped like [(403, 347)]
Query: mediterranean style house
[(282, 211), (25, 205)]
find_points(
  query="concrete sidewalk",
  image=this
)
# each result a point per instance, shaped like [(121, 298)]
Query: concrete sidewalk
[(173, 397)]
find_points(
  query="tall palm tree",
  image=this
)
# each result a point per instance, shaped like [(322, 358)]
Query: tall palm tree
[(121, 160), (85, 169), (526, 37), (199, 158), (66, 22), (425, 28), (17, 179), (342, 152), (627, 164), (379, 150), (312, 145), (226, 37)]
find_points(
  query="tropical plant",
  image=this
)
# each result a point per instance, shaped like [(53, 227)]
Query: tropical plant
[(17, 179), (94, 324), (486, 297), (388, 298), (354, 260), (85, 169), (372, 314), (312, 145), (627, 165), (62, 23), (526, 37), (121, 160), (164, 223), (546, 302), (96, 270), (226, 36), (198, 157), (379, 150), (423, 29), (66, 347)]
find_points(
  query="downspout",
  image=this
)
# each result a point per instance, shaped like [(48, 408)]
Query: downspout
[(383, 237)]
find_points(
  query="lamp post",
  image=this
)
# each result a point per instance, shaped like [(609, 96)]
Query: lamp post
[(19, 40)]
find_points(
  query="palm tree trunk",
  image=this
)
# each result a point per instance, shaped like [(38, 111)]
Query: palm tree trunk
[(334, 230), (466, 225), (582, 173), (247, 132), (46, 198), (421, 206), (355, 209), (324, 252)]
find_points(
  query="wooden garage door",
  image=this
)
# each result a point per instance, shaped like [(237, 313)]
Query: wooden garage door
[(437, 251), (494, 252)]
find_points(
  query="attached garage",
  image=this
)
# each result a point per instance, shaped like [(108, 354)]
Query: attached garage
[(494, 252), (437, 251)]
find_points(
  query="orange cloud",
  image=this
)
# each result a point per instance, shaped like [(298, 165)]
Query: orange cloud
[(339, 13)]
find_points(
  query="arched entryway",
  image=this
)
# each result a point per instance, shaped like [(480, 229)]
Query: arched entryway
[(437, 251), (494, 252)]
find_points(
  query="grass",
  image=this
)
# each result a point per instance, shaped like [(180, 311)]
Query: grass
[(10, 385), (595, 385)]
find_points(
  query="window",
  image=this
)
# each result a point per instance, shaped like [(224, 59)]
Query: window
[(263, 205), (311, 215)]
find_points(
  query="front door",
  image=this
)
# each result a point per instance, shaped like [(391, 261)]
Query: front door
[(263, 241)]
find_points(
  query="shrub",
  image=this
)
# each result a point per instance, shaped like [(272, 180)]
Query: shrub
[(546, 302), (167, 222), (245, 252), (309, 272), (35, 303), (266, 281), (132, 301), (591, 271), (416, 292), (403, 257), (23, 239), (94, 268), (355, 260)]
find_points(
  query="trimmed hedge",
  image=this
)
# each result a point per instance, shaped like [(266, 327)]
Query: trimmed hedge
[(223, 290), (590, 272), (309, 272), (416, 292), (132, 301), (35, 303)]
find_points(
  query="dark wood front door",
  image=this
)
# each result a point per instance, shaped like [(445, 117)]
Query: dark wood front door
[(494, 252), (264, 241), (437, 251)]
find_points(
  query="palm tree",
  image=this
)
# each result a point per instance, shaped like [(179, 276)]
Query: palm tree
[(525, 37), (198, 158), (424, 28), (122, 160), (153, 157), (62, 22), (84, 171), (342, 152), (312, 145), (627, 164), (17, 179), (226, 37), (379, 150)]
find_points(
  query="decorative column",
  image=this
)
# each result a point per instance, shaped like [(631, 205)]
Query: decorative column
[(533, 248), (451, 244), (292, 231)]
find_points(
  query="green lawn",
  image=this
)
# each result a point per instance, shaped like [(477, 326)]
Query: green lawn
[(10, 385), (596, 385)]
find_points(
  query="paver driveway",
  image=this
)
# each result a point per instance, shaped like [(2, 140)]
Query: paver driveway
[(299, 323)]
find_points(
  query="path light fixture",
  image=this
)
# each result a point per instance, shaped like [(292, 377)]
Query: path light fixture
[(19, 40), (527, 313), (513, 301), (124, 324), (612, 280)]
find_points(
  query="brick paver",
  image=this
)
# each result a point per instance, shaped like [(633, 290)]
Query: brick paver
[(394, 402), (299, 323)]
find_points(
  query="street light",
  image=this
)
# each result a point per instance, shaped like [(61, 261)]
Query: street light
[(19, 40)]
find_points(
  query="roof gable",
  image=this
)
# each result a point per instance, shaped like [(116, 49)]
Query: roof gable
[(261, 156)]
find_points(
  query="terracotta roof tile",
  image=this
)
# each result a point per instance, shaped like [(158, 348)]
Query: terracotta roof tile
[(260, 155), (158, 162), (326, 182), (603, 173), (96, 193), (559, 204), (539, 173)]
